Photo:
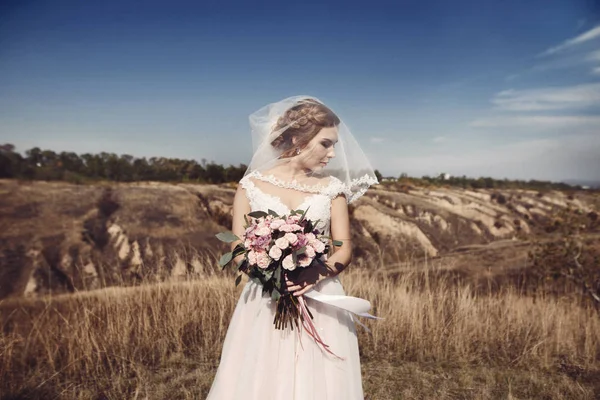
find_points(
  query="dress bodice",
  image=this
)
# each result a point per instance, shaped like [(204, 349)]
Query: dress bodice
[(318, 204)]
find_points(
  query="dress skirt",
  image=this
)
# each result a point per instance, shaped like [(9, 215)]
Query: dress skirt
[(259, 362)]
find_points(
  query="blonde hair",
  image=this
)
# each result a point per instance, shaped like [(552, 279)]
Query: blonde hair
[(303, 122)]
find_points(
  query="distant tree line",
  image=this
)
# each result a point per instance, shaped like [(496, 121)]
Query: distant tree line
[(480, 183), (39, 164)]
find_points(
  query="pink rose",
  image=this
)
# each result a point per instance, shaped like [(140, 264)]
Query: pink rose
[(276, 223), (293, 219), (291, 237), (252, 257), (297, 228), (302, 240), (263, 260), (318, 245), (275, 253), (286, 228), (282, 243), (262, 230), (310, 251), (310, 236), (288, 263), (262, 241)]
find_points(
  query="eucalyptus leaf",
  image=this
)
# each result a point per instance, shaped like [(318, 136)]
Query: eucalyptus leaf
[(227, 237), (239, 249), (301, 251), (257, 214), (304, 213), (268, 274), (277, 274), (275, 295), (225, 258)]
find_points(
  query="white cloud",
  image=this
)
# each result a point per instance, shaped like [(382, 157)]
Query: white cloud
[(593, 56), (439, 139), (584, 37), (550, 98), (538, 121), (552, 159), (377, 140)]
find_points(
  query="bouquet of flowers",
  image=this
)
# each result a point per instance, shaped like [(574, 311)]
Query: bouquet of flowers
[(276, 247)]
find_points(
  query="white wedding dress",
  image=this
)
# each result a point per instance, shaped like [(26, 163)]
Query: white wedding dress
[(259, 362)]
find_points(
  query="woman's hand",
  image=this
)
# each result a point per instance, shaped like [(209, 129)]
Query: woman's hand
[(301, 280)]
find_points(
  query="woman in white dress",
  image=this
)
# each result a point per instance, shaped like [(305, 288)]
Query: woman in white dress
[(304, 158)]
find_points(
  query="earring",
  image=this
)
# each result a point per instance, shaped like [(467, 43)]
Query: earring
[(297, 150)]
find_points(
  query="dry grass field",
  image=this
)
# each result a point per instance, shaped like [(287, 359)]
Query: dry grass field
[(439, 340), (115, 294)]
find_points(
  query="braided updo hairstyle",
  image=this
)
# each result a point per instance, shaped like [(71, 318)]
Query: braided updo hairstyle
[(304, 121)]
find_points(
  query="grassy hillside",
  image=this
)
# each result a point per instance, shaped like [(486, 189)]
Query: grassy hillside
[(438, 340)]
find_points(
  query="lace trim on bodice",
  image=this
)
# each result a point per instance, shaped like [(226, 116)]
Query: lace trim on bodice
[(331, 190), (294, 184), (318, 204)]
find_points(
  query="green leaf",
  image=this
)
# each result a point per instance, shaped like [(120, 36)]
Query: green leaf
[(275, 295), (247, 221), (304, 213), (301, 251), (225, 258), (338, 243), (239, 249), (257, 214), (277, 275), (227, 237), (273, 213), (267, 274), (238, 280)]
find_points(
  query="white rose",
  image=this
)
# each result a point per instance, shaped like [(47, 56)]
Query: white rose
[(262, 231), (275, 253), (286, 228), (318, 245), (296, 227), (282, 243), (310, 236), (288, 263), (263, 260), (252, 257), (276, 223), (291, 237), (310, 251)]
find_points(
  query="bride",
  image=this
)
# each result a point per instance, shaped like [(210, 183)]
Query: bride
[(305, 158)]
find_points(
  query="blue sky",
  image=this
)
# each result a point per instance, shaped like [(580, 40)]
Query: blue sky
[(477, 88)]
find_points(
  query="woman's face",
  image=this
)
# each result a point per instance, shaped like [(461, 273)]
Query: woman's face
[(319, 150)]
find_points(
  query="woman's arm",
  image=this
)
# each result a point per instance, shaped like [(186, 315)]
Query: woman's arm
[(336, 263), (340, 230), (241, 207)]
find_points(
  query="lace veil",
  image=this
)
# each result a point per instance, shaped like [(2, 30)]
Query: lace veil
[(293, 135)]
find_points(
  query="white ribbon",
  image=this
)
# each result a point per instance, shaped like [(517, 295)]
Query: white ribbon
[(353, 305)]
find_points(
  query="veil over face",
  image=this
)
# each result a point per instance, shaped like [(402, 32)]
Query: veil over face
[(301, 132)]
